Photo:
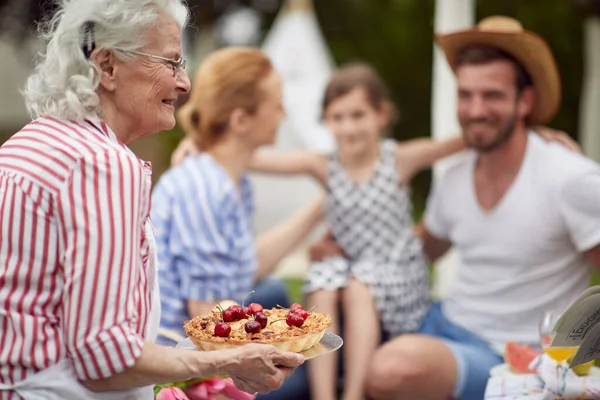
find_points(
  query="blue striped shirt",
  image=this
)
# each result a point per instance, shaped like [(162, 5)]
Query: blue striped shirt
[(203, 227)]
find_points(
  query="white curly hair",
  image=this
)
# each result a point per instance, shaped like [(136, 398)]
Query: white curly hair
[(64, 82)]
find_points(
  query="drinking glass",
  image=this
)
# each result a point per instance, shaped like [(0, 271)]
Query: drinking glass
[(547, 322)]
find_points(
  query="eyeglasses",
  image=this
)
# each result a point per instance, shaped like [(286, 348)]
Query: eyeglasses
[(176, 64)]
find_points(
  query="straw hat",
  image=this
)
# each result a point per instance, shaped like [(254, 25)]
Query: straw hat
[(528, 48)]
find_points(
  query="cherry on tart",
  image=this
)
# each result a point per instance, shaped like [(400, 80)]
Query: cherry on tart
[(262, 319), (294, 320), (252, 326), (237, 312), (254, 308), (300, 312), (246, 310), (228, 315), (296, 306), (222, 329)]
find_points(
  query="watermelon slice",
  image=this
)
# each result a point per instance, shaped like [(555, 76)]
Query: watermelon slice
[(518, 357)]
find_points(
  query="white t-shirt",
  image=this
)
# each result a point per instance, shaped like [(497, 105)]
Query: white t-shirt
[(524, 256)]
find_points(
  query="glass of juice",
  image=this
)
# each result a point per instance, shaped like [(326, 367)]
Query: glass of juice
[(547, 322)]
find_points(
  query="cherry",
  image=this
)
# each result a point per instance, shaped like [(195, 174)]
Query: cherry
[(228, 315), (261, 319), (237, 312), (252, 326), (294, 320), (301, 312), (296, 306), (254, 308), (245, 312), (222, 329)]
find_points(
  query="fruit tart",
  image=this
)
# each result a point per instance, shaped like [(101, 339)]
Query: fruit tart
[(289, 329)]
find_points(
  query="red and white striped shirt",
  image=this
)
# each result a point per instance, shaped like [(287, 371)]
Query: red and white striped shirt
[(74, 279)]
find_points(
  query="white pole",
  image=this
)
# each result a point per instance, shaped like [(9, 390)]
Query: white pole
[(450, 15), (590, 94)]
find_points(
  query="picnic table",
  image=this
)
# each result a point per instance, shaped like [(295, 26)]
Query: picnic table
[(552, 381)]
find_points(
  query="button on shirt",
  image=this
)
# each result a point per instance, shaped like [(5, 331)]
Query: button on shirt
[(203, 227)]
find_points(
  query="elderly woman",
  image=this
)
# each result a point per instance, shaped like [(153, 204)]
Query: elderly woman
[(78, 300), (202, 208)]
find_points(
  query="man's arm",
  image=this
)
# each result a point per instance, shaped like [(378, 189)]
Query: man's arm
[(433, 247)]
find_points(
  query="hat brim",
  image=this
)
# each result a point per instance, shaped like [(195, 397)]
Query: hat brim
[(530, 50)]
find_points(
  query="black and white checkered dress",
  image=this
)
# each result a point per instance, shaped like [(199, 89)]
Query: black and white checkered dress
[(372, 221)]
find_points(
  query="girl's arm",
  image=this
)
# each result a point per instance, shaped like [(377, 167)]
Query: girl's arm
[(290, 163), (416, 155)]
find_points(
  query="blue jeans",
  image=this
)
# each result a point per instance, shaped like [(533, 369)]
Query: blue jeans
[(474, 357)]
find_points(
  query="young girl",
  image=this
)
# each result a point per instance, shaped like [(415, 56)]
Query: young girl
[(382, 279)]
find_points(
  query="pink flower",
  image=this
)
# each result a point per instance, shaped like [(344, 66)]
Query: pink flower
[(234, 393), (207, 390), (171, 393)]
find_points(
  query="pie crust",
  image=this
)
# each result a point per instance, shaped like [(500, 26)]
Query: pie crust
[(277, 333)]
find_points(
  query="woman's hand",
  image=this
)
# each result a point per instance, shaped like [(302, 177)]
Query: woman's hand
[(185, 148), (552, 135), (261, 368)]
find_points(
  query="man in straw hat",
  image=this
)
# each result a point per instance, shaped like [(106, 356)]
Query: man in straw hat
[(522, 213)]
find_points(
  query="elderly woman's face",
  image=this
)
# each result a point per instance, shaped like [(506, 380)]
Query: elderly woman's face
[(146, 89)]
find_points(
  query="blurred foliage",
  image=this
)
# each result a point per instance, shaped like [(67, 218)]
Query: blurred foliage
[(587, 7)]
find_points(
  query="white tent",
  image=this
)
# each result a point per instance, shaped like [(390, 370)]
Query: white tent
[(450, 15), (299, 53)]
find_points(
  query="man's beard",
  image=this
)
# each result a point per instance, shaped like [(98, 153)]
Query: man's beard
[(501, 138)]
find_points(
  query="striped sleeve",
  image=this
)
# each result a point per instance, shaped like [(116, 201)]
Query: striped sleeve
[(99, 228)]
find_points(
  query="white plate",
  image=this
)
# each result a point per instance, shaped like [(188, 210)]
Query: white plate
[(504, 370), (328, 343)]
